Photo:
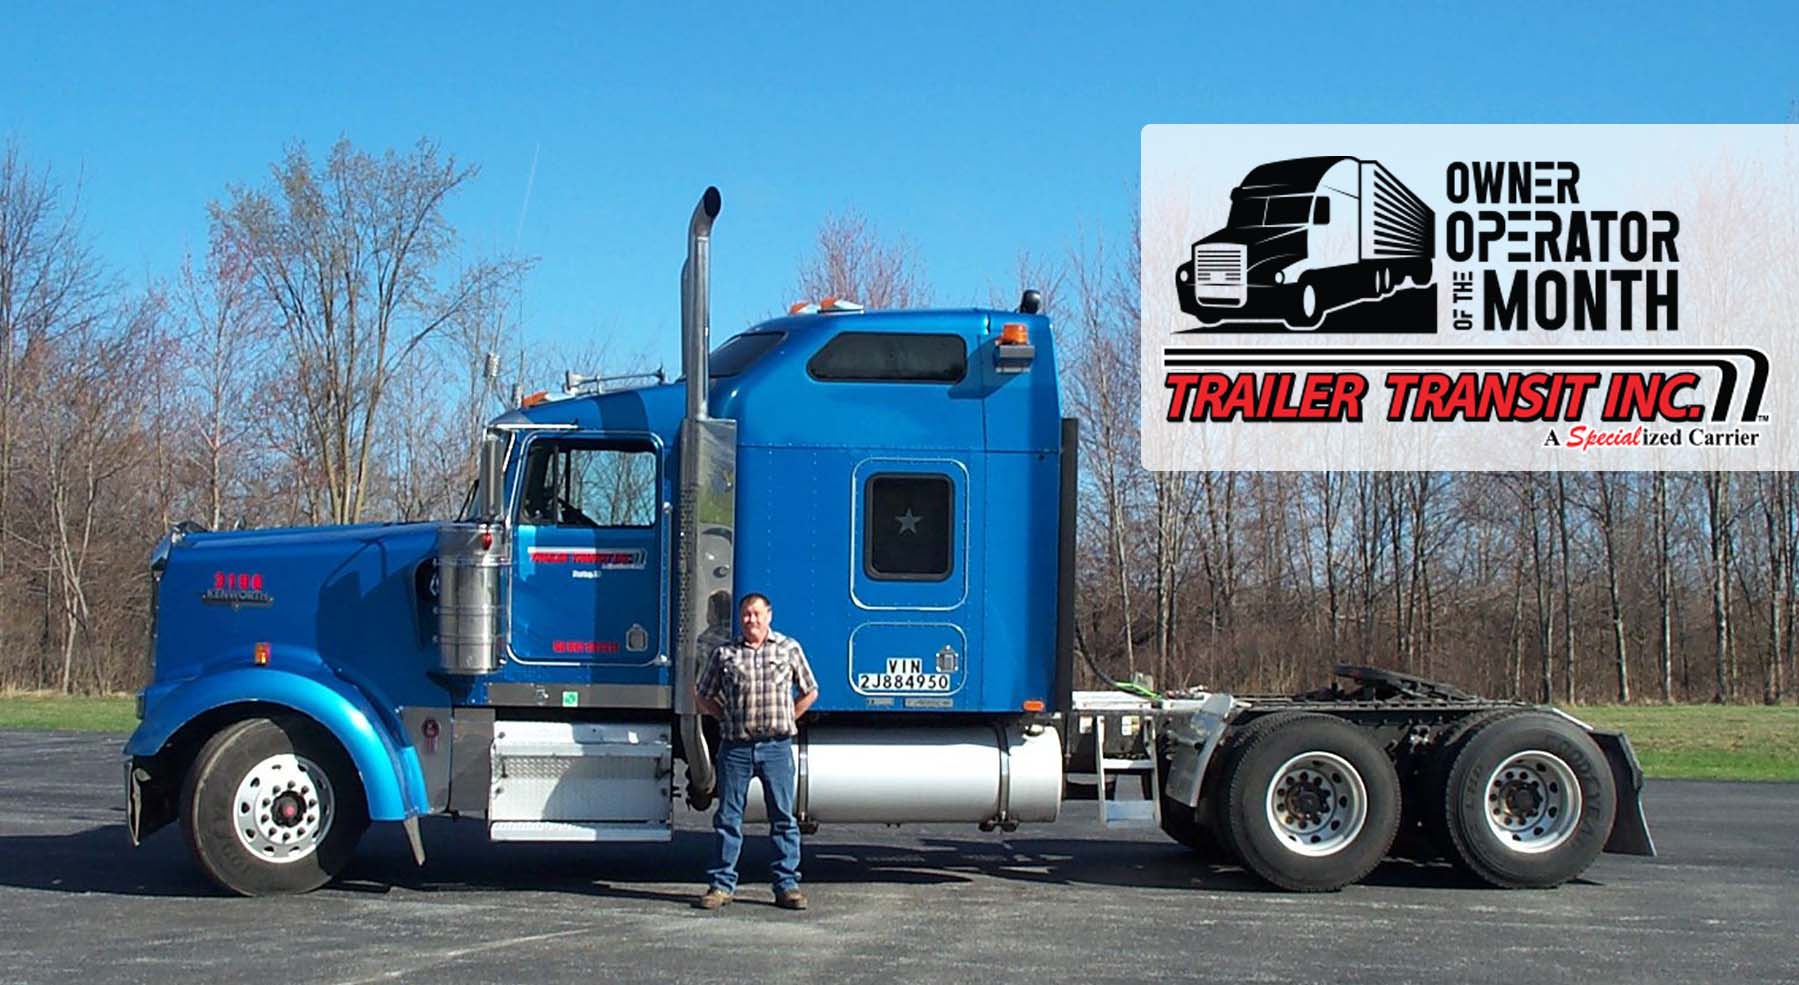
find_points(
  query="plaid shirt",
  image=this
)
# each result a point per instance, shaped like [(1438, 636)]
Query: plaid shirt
[(756, 686)]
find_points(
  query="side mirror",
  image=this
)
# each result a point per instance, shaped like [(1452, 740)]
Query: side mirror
[(490, 475)]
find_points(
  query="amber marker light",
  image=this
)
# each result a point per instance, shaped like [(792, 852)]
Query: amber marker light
[(1015, 333), (1033, 705), (262, 654)]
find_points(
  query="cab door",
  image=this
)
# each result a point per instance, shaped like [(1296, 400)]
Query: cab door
[(589, 551)]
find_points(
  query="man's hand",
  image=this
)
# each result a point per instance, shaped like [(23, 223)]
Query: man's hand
[(709, 707)]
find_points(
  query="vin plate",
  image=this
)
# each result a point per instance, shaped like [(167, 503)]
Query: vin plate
[(903, 674)]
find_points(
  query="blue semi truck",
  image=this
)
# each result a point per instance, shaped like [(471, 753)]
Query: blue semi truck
[(902, 485)]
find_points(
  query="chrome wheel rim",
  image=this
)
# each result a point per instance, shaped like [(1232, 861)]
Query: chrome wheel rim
[(1317, 804), (1533, 802), (283, 808)]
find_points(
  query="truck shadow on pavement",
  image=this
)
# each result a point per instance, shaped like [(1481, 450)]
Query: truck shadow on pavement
[(460, 858)]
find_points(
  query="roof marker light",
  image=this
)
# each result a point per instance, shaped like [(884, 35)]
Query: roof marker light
[(262, 654), (1014, 353)]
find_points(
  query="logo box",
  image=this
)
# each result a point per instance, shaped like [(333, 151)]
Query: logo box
[(1469, 297)]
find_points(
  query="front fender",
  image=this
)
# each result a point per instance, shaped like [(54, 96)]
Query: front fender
[(389, 768)]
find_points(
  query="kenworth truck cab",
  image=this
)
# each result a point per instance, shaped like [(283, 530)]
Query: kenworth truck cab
[(902, 486)]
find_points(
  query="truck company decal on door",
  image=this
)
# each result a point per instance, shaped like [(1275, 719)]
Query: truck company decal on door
[(601, 559), (1612, 297)]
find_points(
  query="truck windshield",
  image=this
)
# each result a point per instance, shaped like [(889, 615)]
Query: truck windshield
[(739, 351), (1289, 210), (1276, 210), (1247, 212)]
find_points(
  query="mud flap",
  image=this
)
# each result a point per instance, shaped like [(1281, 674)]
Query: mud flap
[(1630, 830), (413, 839), (145, 811)]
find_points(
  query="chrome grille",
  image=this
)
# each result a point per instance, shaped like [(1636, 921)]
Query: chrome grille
[(1214, 264)]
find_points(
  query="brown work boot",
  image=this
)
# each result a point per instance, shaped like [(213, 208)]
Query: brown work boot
[(790, 899), (712, 899)]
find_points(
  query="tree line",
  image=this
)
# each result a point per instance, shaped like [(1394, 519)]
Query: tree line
[(330, 354)]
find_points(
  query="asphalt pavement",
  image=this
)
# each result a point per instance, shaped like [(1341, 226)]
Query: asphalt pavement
[(1071, 901)]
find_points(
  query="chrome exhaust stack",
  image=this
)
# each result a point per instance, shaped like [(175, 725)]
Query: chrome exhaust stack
[(709, 489), (696, 303)]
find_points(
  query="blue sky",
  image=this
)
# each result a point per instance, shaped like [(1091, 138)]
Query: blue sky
[(974, 130)]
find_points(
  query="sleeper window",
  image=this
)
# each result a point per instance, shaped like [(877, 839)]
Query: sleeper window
[(891, 356), (909, 527)]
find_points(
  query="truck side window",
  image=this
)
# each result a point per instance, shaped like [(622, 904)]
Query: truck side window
[(915, 357), (575, 484), (1321, 211), (908, 525)]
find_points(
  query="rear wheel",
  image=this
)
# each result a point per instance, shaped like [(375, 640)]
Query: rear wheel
[(1529, 801), (1430, 804), (1310, 804), (272, 806)]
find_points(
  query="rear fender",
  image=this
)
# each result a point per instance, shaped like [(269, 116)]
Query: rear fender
[(389, 768), (1630, 830)]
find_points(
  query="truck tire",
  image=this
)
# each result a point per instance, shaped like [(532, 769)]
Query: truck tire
[(1308, 305), (272, 806), (1430, 803), (1528, 801), (1189, 826), (1199, 828), (1311, 804), (1421, 274)]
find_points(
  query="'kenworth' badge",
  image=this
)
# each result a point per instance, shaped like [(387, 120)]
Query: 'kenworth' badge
[(237, 589)]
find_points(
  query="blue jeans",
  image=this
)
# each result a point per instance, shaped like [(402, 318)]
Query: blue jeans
[(771, 761)]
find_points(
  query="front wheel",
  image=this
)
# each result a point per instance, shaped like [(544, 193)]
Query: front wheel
[(1311, 804), (272, 806), (1307, 306), (1529, 801)]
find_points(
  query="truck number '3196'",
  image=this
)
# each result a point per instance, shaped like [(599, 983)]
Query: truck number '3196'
[(902, 674)]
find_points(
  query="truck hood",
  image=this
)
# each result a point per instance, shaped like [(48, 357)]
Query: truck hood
[(276, 537), (343, 594)]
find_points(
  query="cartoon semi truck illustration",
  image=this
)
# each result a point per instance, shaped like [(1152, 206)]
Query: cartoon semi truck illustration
[(1306, 236), (903, 485)]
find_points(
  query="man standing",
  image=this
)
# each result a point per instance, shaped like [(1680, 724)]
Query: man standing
[(749, 686)]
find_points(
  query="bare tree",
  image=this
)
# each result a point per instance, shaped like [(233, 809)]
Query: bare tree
[(1561, 523), (85, 438), (50, 286), (853, 261), (354, 258), (1718, 516), (226, 321), (1664, 589), (1608, 529), (1102, 389)]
